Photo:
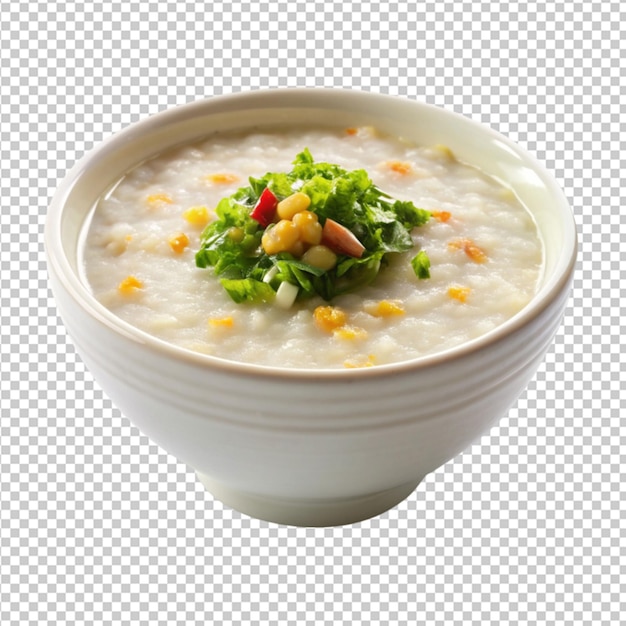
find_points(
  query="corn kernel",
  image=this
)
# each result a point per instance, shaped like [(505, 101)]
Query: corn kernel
[(297, 249), (350, 333), (444, 151), (129, 285), (385, 308), (221, 322), (328, 318), (159, 198), (321, 257), (459, 293), (178, 242), (197, 216), (292, 204), (222, 179), (369, 362), (280, 237), (309, 227), (475, 253)]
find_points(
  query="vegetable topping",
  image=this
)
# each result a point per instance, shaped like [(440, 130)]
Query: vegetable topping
[(319, 228), (264, 209)]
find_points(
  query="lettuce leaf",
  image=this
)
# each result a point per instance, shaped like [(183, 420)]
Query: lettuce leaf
[(421, 265), (248, 290), (231, 245)]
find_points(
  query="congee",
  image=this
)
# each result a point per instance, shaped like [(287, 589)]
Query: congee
[(312, 248)]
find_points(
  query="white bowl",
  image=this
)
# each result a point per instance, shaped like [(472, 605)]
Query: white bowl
[(298, 446)]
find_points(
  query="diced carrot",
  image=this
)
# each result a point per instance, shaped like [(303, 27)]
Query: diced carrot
[(400, 167), (442, 216), (352, 131), (474, 252)]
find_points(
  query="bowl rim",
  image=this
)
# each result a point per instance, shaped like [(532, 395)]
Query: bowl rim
[(558, 282)]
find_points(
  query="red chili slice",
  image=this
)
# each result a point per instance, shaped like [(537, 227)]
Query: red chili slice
[(265, 208)]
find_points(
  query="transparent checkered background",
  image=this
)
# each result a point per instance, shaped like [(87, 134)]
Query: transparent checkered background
[(100, 526)]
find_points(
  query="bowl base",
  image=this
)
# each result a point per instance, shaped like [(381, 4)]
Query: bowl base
[(308, 512)]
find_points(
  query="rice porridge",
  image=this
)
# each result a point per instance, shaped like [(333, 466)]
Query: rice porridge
[(485, 254)]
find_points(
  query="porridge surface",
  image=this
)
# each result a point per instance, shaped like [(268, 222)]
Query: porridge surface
[(483, 245)]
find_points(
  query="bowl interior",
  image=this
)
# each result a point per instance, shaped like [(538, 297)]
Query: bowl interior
[(417, 122)]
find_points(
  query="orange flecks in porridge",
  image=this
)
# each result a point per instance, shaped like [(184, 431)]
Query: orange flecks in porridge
[(350, 333), (197, 216), (129, 285), (178, 242), (329, 318), (221, 178), (400, 167), (441, 216), (362, 131), (221, 322), (474, 252), (457, 292), (370, 361), (156, 199), (385, 308)]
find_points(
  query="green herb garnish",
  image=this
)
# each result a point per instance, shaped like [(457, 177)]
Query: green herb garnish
[(421, 265), (359, 224)]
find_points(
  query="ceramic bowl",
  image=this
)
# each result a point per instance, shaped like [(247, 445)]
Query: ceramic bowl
[(304, 447)]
